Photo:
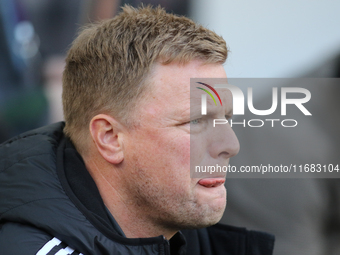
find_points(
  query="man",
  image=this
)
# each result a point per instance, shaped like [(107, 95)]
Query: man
[(115, 179)]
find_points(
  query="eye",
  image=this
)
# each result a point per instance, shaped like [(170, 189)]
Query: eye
[(195, 122), (228, 117)]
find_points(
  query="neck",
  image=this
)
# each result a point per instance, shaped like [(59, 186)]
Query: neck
[(133, 219)]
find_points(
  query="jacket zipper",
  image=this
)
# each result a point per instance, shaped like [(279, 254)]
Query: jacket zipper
[(166, 246)]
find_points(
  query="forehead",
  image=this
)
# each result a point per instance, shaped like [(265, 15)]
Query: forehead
[(170, 88), (174, 79)]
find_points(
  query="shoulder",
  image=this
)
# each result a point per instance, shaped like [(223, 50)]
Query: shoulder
[(48, 134), (27, 146), (23, 239)]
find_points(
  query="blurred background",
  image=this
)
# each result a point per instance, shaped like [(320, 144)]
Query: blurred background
[(267, 39)]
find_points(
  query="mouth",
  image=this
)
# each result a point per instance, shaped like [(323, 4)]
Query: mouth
[(211, 182)]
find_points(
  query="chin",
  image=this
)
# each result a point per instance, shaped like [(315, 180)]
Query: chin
[(213, 208), (203, 223), (206, 218), (214, 214)]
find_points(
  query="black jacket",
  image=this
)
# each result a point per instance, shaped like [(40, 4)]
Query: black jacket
[(49, 204)]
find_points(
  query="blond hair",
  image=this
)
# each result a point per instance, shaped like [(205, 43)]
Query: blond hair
[(108, 62)]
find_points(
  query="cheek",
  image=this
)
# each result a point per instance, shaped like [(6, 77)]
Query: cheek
[(164, 150), (169, 144), (173, 156), (198, 150), (182, 150)]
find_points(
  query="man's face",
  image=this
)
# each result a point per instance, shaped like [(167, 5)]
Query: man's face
[(157, 151)]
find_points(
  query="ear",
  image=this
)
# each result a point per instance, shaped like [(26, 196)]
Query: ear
[(107, 135)]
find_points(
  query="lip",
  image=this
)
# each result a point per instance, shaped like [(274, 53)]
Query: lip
[(211, 182)]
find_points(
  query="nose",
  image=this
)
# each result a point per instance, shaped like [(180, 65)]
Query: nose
[(224, 143)]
